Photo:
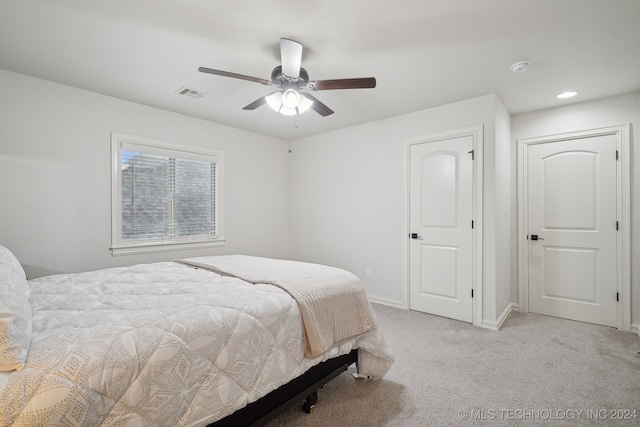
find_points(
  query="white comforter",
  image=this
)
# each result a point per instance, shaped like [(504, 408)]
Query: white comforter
[(159, 344), (332, 301)]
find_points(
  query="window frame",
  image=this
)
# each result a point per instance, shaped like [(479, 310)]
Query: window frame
[(183, 151)]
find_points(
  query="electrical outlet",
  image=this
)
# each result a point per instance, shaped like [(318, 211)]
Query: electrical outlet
[(367, 272)]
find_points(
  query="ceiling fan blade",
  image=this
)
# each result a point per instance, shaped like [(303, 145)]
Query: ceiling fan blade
[(318, 106), (359, 83), (234, 75), (255, 104), (291, 57)]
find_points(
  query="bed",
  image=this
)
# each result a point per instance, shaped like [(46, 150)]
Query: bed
[(204, 341)]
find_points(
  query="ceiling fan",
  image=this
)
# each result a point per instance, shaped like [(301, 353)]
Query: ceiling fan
[(290, 78)]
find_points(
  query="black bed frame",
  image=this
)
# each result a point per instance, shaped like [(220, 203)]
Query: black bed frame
[(304, 387)]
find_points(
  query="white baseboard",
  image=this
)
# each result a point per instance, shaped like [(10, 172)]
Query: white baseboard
[(497, 324), (386, 301), (635, 328)]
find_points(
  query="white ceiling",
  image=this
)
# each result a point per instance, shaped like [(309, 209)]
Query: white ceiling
[(424, 53)]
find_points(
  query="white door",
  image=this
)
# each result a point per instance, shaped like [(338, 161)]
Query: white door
[(572, 200), (441, 211)]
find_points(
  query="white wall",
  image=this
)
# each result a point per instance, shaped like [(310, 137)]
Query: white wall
[(347, 195), (612, 111), (504, 216), (55, 206)]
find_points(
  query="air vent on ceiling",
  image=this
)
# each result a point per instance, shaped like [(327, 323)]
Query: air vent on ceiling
[(190, 92)]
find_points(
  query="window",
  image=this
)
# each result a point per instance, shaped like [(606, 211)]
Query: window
[(165, 196)]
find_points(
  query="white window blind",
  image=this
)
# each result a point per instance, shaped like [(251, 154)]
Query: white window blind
[(165, 196)]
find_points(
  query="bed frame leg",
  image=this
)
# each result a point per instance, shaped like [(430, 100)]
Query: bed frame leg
[(310, 402)]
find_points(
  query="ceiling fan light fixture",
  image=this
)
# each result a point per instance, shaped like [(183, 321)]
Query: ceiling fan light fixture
[(289, 102), (290, 98)]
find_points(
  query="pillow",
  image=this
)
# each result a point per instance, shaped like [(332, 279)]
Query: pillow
[(15, 313)]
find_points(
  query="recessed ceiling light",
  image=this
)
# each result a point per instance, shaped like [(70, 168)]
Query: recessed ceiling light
[(520, 67), (567, 94)]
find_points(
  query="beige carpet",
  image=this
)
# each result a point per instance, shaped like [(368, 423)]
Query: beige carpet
[(536, 370)]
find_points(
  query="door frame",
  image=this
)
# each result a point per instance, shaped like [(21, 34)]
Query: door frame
[(476, 133), (623, 204)]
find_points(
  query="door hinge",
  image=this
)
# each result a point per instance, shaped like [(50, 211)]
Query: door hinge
[(471, 293), (472, 155), (617, 225), (617, 155), (471, 223), (618, 296)]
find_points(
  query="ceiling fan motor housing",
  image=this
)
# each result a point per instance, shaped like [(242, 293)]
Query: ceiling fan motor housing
[(285, 82)]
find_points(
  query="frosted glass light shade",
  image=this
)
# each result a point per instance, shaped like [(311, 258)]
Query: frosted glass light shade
[(305, 104), (275, 100), (290, 98)]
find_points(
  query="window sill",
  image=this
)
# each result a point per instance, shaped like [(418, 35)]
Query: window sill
[(146, 248)]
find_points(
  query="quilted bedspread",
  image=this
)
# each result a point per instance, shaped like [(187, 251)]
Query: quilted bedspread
[(332, 301), (159, 344)]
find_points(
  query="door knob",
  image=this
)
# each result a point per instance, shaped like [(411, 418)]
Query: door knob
[(415, 236), (535, 237)]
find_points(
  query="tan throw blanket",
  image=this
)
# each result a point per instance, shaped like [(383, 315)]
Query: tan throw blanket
[(332, 301)]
